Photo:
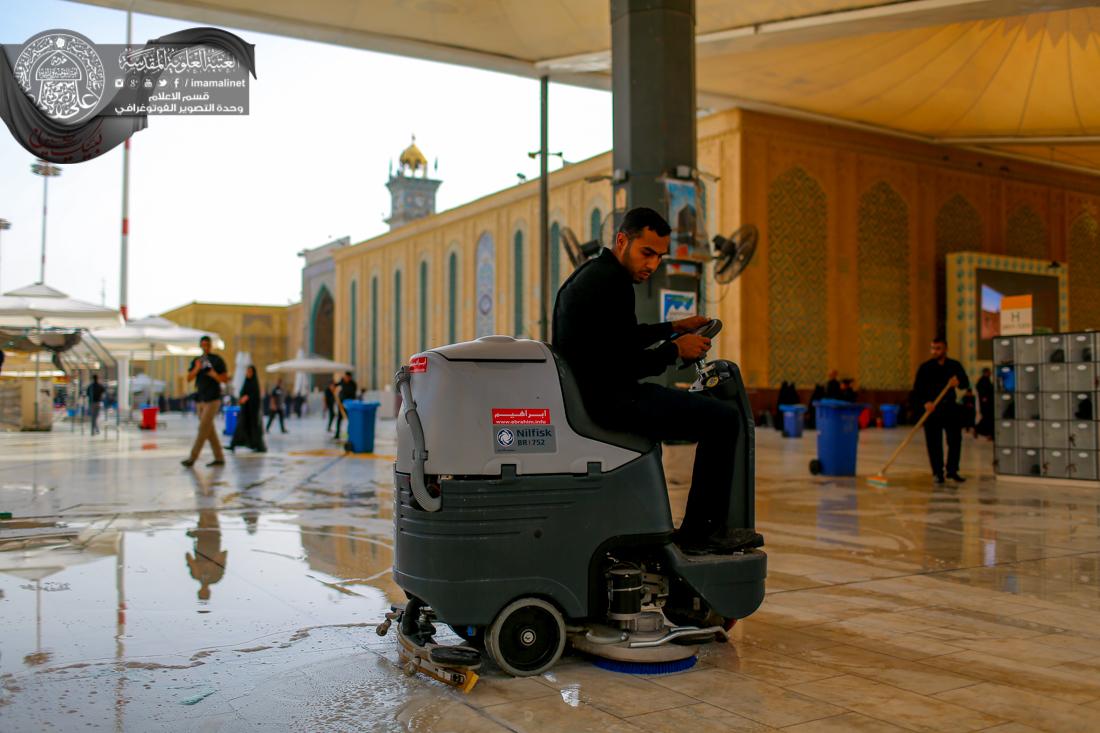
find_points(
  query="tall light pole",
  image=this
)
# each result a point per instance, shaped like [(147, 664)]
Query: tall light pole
[(124, 245), (47, 171), (4, 226)]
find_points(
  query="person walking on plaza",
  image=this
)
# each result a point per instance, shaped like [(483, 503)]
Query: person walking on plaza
[(275, 406), (330, 402), (208, 372), (348, 391), (946, 417), (984, 386), (95, 401), (249, 432)]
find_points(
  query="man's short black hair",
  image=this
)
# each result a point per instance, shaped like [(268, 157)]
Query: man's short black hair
[(940, 340), (206, 338), (638, 219), (348, 373)]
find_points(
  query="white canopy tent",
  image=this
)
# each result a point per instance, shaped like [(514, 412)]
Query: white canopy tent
[(311, 364)]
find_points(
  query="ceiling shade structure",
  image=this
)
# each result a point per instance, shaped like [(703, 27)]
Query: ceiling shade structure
[(41, 306), (1021, 77)]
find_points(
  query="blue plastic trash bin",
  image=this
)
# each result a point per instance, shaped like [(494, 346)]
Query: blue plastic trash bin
[(837, 437), (231, 414), (361, 417), (889, 415), (794, 417)]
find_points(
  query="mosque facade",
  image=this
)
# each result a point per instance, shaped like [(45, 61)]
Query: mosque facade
[(855, 230)]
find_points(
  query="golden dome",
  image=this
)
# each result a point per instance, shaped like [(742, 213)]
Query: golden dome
[(412, 157)]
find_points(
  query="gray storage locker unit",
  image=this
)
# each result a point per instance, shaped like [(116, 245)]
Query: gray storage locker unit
[(1029, 406), (1082, 434), (1029, 433), (1005, 461), (1079, 347), (1005, 433), (1006, 406), (1029, 350), (1082, 405), (1055, 405), (1029, 461), (1054, 378), (1055, 462), (1082, 376), (1027, 377), (1056, 434), (1054, 349), (1082, 465), (1004, 350)]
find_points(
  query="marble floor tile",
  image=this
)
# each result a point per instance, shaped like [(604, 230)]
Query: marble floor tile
[(766, 665), (1053, 681), (846, 723), (912, 676), (698, 718), (1021, 704), (557, 714), (892, 705), (619, 694)]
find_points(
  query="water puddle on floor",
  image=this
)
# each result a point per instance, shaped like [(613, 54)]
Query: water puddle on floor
[(164, 589)]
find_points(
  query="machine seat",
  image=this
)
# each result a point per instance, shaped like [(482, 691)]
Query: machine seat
[(583, 424)]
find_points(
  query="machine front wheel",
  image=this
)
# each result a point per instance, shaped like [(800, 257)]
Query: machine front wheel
[(527, 637), (815, 466)]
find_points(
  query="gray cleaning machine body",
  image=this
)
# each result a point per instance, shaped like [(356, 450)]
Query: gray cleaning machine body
[(523, 525)]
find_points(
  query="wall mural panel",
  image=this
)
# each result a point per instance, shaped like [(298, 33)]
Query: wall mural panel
[(1084, 279), (883, 241), (486, 278), (797, 330), (1026, 234), (958, 229)]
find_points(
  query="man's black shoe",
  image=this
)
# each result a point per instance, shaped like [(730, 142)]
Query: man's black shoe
[(956, 478), (187, 462), (732, 540), (938, 478)]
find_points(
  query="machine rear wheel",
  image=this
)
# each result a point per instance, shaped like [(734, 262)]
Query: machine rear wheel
[(815, 467), (527, 637)]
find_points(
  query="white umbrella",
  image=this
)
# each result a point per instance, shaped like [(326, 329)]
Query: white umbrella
[(155, 336), (311, 364), (42, 306), (143, 382)]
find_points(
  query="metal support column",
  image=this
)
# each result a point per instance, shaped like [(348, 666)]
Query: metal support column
[(546, 298), (653, 114)]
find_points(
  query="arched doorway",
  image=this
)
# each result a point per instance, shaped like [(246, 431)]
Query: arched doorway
[(323, 324)]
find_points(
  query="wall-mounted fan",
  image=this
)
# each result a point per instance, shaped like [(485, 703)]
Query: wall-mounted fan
[(578, 253), (732, 253)]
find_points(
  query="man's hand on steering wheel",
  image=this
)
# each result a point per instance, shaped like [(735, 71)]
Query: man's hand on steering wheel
[(692, 346), (689, 324)]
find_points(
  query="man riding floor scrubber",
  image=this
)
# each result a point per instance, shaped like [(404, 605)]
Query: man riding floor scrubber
[(530, 504)]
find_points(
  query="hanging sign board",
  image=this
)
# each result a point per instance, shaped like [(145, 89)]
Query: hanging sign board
[(1016, 315)]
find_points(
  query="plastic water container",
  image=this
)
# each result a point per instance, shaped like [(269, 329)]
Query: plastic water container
[(793, 420), (890, 415), (149, 417), (231, 415), (837, 437), (361, 418)]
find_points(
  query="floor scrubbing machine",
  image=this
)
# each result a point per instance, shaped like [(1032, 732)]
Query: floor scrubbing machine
[(525, 526)]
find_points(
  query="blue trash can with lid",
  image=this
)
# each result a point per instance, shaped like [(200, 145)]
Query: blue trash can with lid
[(837, 437), (793, 420), (231, 415), (361, 417), (889, 415)]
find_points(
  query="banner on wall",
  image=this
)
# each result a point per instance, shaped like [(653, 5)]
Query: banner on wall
[(1016, 315), (677, 304)]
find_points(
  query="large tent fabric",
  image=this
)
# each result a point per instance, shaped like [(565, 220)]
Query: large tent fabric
[(1020, 77), (311, 364), (154, 334)]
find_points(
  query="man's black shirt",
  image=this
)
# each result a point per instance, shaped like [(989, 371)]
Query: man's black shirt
[(207, 387), (597, 333), (932, 377), (348, 389), (95, 392)]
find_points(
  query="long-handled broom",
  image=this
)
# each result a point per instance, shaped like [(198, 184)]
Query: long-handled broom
[(879, 479)]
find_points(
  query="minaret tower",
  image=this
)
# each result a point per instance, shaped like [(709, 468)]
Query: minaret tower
[(412, 192)]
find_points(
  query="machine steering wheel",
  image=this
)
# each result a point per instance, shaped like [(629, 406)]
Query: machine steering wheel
[(708, 330)]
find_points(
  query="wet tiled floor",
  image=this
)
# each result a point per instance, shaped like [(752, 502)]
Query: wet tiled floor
[(136, 595)]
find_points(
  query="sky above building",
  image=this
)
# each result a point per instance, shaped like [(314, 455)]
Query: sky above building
[(220, 206)]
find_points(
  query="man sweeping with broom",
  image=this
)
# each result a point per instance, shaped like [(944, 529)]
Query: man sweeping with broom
[(934, 387)]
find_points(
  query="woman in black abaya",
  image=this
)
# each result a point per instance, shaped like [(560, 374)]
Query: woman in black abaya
[(249, 432)]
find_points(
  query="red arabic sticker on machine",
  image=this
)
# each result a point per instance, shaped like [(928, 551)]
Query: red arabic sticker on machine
[(418, 364), (521, 416)]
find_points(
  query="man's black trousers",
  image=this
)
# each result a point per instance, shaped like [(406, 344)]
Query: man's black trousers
[(935, 427), (660, 413)]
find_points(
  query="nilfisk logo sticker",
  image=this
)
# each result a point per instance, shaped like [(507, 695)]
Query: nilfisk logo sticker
[(535, 439)]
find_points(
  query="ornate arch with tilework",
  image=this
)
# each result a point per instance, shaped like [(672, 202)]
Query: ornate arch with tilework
[(883, 246), (1084, 281)]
